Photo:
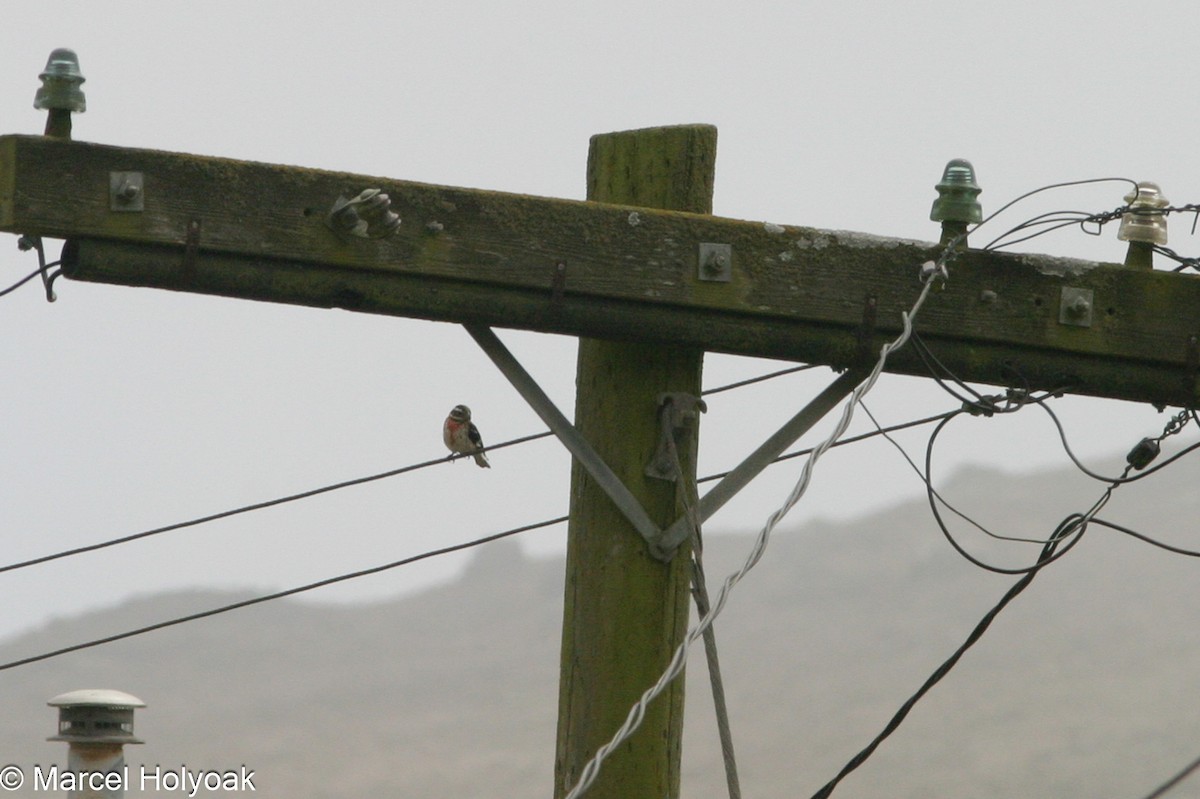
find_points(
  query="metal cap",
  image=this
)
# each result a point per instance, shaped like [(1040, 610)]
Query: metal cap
[(97, 697), (96, 716), (60, 83), (1144, 221), (957, 193)]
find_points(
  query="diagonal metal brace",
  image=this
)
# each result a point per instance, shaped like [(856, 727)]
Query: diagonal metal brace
[(571, 438), (762, 457)]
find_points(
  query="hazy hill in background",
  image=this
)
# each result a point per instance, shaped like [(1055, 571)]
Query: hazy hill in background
[(1087, 685)]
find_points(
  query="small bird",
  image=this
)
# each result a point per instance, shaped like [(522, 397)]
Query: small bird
[(462, 436)]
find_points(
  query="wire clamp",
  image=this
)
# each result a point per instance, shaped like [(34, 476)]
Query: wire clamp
[(934, 270), (677, 413)]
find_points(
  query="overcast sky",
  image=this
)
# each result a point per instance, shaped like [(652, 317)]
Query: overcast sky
[(127, 409)]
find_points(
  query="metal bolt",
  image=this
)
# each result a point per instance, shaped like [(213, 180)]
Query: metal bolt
[(1075, 307), (127, 191)]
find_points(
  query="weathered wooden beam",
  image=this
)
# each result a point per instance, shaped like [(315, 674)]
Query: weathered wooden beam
[(601, 270)]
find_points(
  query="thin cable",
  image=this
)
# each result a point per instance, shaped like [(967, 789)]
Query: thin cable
[(759, 379), (254, 507), (925, 481), (1062, 434), (317, 491), (1077, 522), (1178, 778), (675, 667), (279, 594), (1065, 184), (686, 490), (1045, 558), (1074, 525), (1191, 553), (842, 442), (21, 282)]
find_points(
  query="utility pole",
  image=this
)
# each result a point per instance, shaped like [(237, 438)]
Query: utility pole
[(625, 611), (649, 281)]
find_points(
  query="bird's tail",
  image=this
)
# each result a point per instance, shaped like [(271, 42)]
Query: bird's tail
[(482, 461)]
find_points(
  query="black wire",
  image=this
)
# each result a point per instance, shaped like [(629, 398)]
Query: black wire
[(841, 442), (1183, 261), (1075, 524), (929, 487), (1047, 556), (759, 379), (1062, 434), (358, 481), (279, 594), (932, 364), (1191, 553), (1048, 222), (21, 282), (254, 507), (1027, 194), (1178, 778)]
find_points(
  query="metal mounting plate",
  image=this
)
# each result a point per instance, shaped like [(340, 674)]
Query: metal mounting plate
[(715, 262)]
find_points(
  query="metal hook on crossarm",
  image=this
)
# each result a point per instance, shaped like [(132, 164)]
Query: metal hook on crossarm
[(29, 242)]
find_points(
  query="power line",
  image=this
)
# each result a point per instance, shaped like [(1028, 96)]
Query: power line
[(925, 481), (1047, 555), (1191, 553), (279, 594), (394, 472), (255, 507), (1070, 531), (751, 381), (1175, 425), (21, 282), (1178, 778), (1077, 522), (843, 441)]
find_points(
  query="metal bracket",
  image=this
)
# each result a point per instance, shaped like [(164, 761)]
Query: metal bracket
[(715, 262), (126, 191), (680, 411), (30, 242), (368, 215), (1075, 308), (762, 457), (662, 544)]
